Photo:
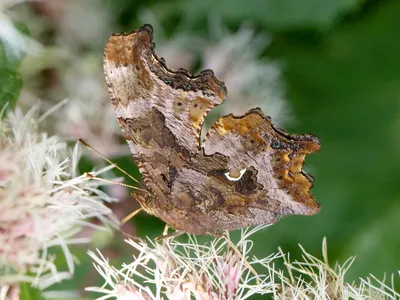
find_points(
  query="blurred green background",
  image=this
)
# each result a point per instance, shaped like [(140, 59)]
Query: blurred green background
[(340, 64)]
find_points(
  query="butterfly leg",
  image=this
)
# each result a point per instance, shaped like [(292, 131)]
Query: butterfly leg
[(166, 236), (131, 215), (135, 238)]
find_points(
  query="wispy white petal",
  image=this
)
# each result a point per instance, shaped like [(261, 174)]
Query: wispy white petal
[(42, 204)]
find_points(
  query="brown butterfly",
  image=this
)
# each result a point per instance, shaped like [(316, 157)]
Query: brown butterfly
[(245, 172)]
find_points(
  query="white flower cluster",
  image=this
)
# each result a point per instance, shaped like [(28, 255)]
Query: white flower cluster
[(312, 278), (43, 203), (184, 271), (176, 270)]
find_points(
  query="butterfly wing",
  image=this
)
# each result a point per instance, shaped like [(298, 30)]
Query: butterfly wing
[(139, 82), (245, 172), (161, 113), (264, 177)]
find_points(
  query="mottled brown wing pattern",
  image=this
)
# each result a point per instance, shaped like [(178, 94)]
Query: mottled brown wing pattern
[(265, 166), (245, 172)]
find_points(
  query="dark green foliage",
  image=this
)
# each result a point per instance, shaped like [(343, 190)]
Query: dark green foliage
[(276, 14), (10, 78)]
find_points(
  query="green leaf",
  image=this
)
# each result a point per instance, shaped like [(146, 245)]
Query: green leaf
[(27, 292), (10, 78)]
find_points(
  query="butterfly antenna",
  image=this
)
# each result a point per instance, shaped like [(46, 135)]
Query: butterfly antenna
[(107, 160), (116, 166), (131, 215), (113, 182)]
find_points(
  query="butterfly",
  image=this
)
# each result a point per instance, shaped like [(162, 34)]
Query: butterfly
[(244, 172)]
